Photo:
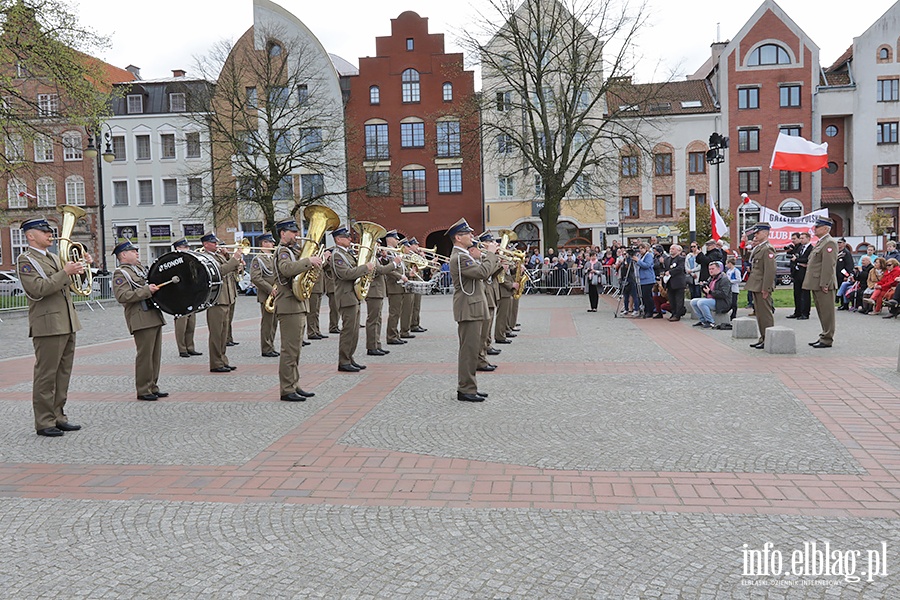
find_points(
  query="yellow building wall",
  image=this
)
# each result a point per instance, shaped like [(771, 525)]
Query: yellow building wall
[(585, 211)]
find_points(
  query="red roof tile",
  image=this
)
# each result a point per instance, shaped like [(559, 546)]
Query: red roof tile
[(832, 196)]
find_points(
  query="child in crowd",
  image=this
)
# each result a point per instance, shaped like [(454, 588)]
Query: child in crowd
[(734, 276)]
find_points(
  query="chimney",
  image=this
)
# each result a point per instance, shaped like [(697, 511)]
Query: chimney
[(177, 72), (136, 71)]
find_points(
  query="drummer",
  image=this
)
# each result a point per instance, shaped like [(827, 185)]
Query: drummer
[(185, 325)]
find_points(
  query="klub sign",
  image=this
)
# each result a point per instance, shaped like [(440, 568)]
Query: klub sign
[(783, 227)]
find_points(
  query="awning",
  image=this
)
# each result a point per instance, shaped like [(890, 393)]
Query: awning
[(836, 196)]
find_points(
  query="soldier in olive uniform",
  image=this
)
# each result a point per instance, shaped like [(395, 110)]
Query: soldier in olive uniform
[(291, 311), (491, 295), (334, 312), (407, 302), (144, 320), (821, 280), (415, 324), (313, 331), (505, 303), (395, 291), (217, 315), (469, 268), (52, 323), (342, 268), (761, 281), (262, 275), (386, 267), (185, 326)]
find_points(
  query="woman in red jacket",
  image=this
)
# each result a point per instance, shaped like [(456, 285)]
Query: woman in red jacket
[(885, 286)]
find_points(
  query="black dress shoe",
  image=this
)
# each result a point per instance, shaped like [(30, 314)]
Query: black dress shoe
[(383, 351), (349, 368), (68, 426), (469, 397), (271, 354), (322, 336), (192, 353), (293, 397), (792, 316), (819, 345), (357, 365), (305, 394), (334, 331), (487, 368), (375, 352), (184, 355), (502, 341), (493, 351), (232, 343), (407, 336), (220, 370), (160, 394), (50, 432), (396, 342), (231, 368), (482, 394), (313, 337), (418, 330), (803, 318), (148, 397), (305, 343), (511, 335), (758, 346)]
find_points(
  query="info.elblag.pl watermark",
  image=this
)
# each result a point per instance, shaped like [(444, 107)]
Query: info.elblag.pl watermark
[(815, 563)]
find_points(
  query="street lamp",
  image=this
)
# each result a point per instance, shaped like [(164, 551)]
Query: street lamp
[(622, 215), (108, 156)]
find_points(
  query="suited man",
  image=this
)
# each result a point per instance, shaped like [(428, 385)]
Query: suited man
[(821, 280), (185, 326), (262, 275), (52, 323), (375, 301), (469, 268), (219, 314), (395, 291), (343, 269), (674, 265), (144, 320), (800, 252), (290, 311), (761, 281)]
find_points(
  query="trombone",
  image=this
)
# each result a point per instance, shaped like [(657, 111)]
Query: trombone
[(244, 247)]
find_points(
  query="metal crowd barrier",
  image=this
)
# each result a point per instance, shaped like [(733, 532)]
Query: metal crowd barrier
[(101, 290)]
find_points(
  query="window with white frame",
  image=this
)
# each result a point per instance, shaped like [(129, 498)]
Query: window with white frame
[(374, 95), (43, 148), (312, 185), (48, 105), (75, 190), (504, 143), (17, 241), (71, 141), (505, 186), (145, 192), (135, 104), (447, 91), (410, 86), (414, 187), (120, 193), (583, 185), (448, 139), (195, 190), (46, 192), (170, 191), (118, 145), (192, 143), (378, 183), (142, 145), (504, 101), (15, 194), (539, 189), (177, 102), (449, 181), (15, 147), (167, 145)]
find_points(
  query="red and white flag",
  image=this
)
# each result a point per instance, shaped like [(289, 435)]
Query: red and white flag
[(793, 153), (24, 194), (719, 228)]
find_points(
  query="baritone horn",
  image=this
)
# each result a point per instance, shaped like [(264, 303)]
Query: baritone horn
[(70, 251), (321, 219), (368, 239), (506, 236)]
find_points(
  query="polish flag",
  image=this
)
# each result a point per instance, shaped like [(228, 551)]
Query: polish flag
[(719, 228), (793, 153), (24, 194)]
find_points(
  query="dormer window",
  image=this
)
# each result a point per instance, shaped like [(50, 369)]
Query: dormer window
[(768, 54)]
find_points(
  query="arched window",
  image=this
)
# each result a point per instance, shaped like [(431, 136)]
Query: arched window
[(46, 192), (374, 95), (884, 53), (448, 92), (791, 208), (769, 54), (15, 193), (410, 82), (75, 190), (274, 49)]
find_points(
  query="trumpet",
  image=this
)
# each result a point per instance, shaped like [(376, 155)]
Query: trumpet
[(244, 247), (406, 255), (505, 253), (435, 259)]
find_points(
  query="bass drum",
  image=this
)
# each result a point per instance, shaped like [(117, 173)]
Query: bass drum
[(198, 284)]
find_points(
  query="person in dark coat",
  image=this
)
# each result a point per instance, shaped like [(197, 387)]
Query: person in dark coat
[(677, 281), (843, 270)]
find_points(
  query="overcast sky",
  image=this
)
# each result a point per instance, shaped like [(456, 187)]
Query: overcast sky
[(162, 35)]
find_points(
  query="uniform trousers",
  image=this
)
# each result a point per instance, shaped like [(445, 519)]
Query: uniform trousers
[(469, 333), (217, 321), (765, 314), (148, 343), (312, 317), (334, 314), (406, 312), (416, 312), (502, 325), (486, 337), (292, 327), (513, 315), (53, 359), (268, 324), (230, 319), (395, 308), (349, 334), (184, 333), (373, 322), (825, 309)]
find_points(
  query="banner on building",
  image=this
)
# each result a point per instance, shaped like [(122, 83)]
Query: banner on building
[(783, 227), (193, 231), (126, 233), (160, 234)]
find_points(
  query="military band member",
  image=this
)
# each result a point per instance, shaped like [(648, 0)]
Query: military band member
[(491, 294), (406, 308), (232, 283), (386, 267), (144, 320), (821, 280), (52, 323), (395, 291), (469, 267), (262, 275), (761, 281), (291, 312), (185, 326), (415, 325), (342, 268), (217, 315), (505, 304), (334, 313), (313, 331)]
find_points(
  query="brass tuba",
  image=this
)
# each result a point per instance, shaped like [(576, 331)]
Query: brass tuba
[(321, 219), (368, 239), (70, 251), (507, 236)]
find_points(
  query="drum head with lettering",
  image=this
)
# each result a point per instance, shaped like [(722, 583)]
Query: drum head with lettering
[(197, 286)]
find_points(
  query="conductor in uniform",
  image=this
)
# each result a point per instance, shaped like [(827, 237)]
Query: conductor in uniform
[(185, 326), (144, 320), (52, 323), (345, 272), (218, 316), (821, 280), (262, 275), (761, 281), (469, 268), (291, 311)]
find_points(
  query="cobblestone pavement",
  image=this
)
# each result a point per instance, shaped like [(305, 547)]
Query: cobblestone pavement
[(614, 458)]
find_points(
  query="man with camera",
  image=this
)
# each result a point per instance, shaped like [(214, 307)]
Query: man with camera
[(799, 252)]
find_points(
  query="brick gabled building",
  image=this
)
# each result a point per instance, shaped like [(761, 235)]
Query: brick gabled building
[(414, 158)]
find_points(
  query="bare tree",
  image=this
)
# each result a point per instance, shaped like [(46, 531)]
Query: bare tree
[(275, 111), (547, 76)]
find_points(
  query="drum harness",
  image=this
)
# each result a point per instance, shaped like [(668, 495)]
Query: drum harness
[(144, 271)]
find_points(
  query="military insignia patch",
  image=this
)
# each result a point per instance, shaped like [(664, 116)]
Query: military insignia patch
[(284, 256), (119, 281), (339, 260), (828, 249), (771, 255), (26, 268)]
